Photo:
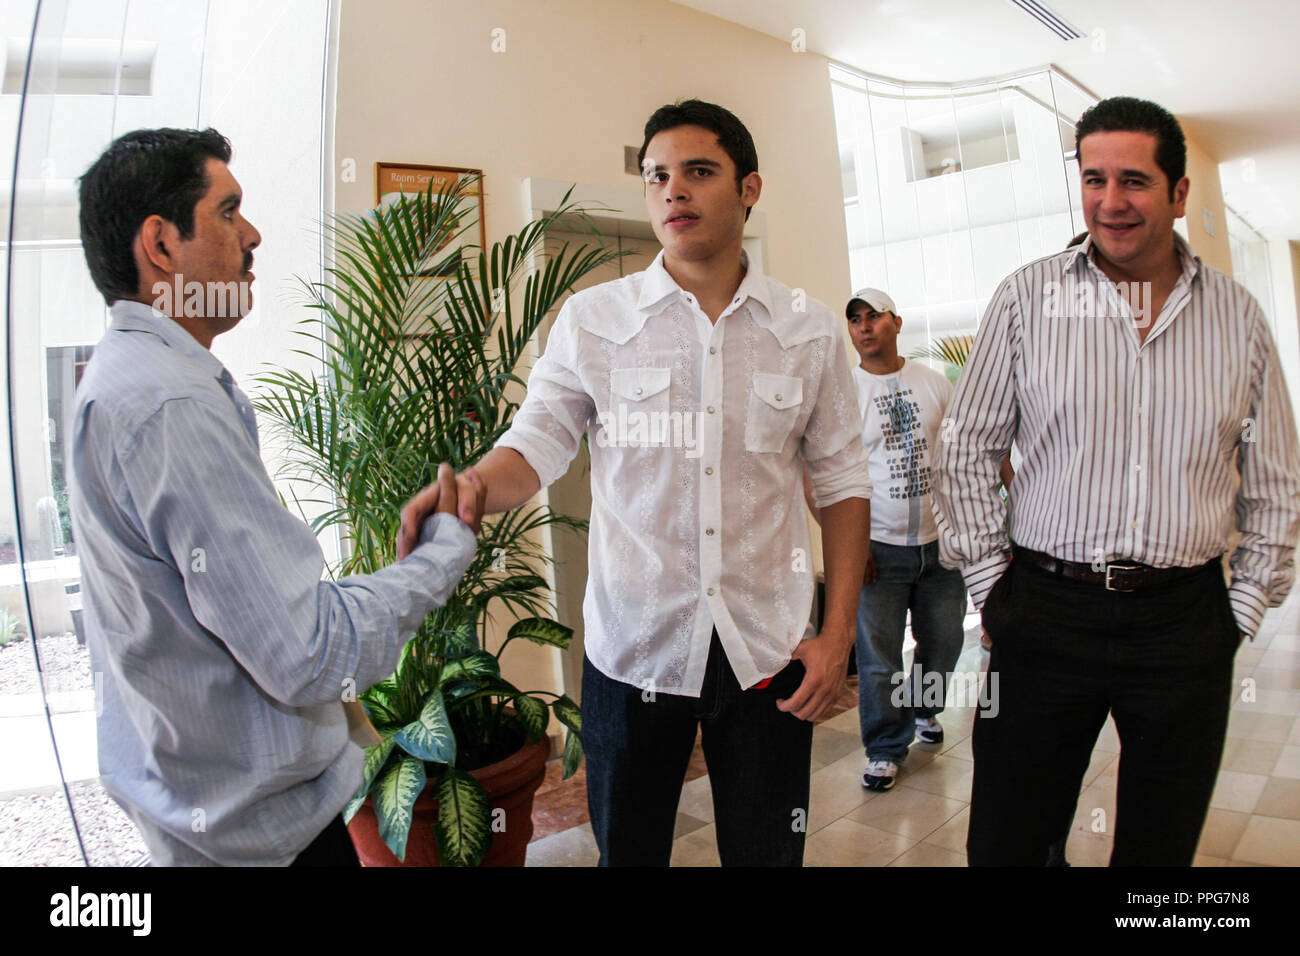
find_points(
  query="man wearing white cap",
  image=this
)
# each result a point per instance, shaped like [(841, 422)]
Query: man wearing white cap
[(902, 405)]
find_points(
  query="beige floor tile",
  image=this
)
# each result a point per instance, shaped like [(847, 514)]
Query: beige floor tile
[(1294, 738), (687, 824), (573, 847), (961, 748), (699, 848), (916, 759), (907, 812), (1249, 654), (1095, 810), (1100, 764), (1280, 658), (1202, 860), (1247, 726), (1084, 848), (1237, 791), (830, 745), (1288, 763), (846, 843), (927, 854), (1221, 833), (1272, 702), (947, 776), (1266, 679), (1285, 641), (697, 799), (846, 723), (952, 835), (1270, 841), (1281, 798), (835, 790), (1108, 739), (1251, 756)]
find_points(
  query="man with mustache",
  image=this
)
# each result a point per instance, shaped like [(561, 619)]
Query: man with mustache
[(225, 658)]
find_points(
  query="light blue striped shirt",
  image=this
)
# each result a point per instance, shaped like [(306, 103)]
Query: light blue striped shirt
[(224, 656)]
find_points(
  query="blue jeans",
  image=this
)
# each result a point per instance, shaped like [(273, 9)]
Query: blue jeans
[(889, 702), (637, 750)]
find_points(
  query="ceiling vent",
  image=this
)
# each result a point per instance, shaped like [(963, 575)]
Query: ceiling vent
[(1054, 22)]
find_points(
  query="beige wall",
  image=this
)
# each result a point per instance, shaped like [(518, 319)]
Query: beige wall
[(1205, 193), (419, 82)]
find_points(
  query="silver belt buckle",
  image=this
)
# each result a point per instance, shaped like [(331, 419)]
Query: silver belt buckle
[(1116, 566)]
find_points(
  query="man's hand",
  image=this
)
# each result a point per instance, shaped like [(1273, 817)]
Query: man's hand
[(986, 642), (463, 495), (869, 576), (825, 659)]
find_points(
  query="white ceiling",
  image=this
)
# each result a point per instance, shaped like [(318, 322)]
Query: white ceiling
[(1231, 72)]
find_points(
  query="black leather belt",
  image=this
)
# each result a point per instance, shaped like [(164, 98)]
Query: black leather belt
[(1115, 576)]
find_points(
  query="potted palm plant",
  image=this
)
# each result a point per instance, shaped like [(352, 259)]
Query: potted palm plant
[(420, 370)]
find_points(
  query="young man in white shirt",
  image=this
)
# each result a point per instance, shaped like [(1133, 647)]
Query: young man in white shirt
[(902, 405), (706, 387)]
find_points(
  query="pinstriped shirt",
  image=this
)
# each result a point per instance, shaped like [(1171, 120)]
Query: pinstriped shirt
[(1148, 451), (224, 656)]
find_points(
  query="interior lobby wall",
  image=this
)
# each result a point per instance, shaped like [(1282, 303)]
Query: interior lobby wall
[(1207, 194)]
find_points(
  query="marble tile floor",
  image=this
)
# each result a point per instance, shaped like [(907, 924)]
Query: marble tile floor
[(1254, 817)]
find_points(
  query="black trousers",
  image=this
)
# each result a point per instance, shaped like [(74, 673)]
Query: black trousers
[(1065, 655), (332, 848), (638, 746)]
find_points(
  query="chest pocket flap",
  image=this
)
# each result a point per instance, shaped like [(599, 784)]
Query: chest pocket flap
[(638, 384), (779, 391)]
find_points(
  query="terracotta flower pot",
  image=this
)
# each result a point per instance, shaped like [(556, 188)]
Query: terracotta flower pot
[(510, 785)]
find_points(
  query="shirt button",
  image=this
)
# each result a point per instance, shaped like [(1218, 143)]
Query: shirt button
[(712, 350), (638, 391), (709, 592), (708, 471), (778, 398), (708, 531), (1137, 467), (1133, 525), (710, 409)]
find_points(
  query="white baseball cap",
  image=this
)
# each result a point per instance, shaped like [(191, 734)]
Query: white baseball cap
[(874, 299)]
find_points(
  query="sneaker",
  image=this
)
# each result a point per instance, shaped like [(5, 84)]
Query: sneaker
[(929, 730), (880, 774)]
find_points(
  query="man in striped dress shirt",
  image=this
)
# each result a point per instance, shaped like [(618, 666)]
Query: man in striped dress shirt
[(1145, 394)]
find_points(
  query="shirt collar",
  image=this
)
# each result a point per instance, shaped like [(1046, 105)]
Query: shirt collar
[(1190, 261), (131, 316), (658, 285)]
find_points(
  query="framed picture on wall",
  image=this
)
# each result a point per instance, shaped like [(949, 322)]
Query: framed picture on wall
[(394, 179)]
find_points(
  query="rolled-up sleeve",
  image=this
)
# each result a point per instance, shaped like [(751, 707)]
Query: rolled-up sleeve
[(252, 571), (832, 442), (548, 427), (976, 436), (1268, 499)]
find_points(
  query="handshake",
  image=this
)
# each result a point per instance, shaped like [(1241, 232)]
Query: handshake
[(463, 495)]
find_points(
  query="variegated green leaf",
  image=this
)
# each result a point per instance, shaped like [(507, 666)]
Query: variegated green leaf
[(463, 827), (476, 665), (461, 639), (533, 714), (395, 793), (539, 630), (572, 753), (510, 585), (429, 736), (568, 713)]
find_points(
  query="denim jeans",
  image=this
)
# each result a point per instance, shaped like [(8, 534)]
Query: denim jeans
[(1067, 654), (889, 702), (638, 746)]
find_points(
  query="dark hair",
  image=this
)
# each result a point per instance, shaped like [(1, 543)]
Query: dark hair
[(144, 173), (1127, 114), (732, 135)]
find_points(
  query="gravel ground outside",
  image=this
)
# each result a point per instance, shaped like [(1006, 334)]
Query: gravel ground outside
[(36, 829), (65, 663)]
